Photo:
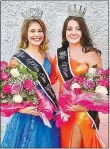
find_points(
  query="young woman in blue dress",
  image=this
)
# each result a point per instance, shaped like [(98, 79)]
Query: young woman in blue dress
[(26, 128)]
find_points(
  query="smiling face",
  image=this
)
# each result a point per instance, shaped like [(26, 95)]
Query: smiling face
[(73, 32), (35, 34)]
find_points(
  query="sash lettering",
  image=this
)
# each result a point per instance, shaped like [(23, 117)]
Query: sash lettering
[(63, 64)]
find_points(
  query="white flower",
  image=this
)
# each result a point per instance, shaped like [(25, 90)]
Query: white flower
[(92, 71), (14, 72), (75, 85), (17, 98), (101, 89)]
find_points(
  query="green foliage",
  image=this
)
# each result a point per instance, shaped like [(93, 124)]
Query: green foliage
[(7, 70), (1, 85), (95, 66), (23, 69), (34, 75)]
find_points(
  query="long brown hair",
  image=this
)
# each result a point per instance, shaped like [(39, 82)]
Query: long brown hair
[(86, 40), (24, 33)]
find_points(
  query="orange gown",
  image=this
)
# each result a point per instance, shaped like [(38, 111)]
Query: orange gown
[(89, 135)]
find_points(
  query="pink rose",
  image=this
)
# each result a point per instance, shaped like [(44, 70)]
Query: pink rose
[(99, 71), (78, 79), (77, 91), (3, 65), (28, 85), (7, 89), (16, 88), (4, 76), (106, 72), (88, 84), (104, 83)]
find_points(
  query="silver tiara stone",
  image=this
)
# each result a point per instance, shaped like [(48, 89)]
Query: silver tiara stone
[(32, 13), (76, 12)]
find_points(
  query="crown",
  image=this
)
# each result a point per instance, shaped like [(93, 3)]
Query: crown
[(32, 13), (76, 12)]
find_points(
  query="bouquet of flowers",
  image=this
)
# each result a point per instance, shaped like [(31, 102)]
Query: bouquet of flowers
[(89, 90), (18, 90)]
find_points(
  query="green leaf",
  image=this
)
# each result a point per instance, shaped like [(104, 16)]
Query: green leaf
[(4, 101), (23, 69), (95, 66), (7, 70), (34, 75), (1, 86), (21, 66)]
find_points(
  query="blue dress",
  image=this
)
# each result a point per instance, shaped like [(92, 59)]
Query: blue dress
[(28, 131)]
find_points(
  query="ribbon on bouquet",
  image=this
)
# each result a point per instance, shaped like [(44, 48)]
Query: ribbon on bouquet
[(64, 116), (61, 117), (7, 109), (45, 108), (45, 119)]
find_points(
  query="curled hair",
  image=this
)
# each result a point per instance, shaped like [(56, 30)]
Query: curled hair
[(24, 34), (86, 40)]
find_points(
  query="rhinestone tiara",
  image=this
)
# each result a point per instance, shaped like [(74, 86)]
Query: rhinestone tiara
[(76, 12), (32, 13)]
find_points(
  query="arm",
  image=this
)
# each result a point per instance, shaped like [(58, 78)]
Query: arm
[(30, 110), (93, 58), (78, 108), (13, 63)]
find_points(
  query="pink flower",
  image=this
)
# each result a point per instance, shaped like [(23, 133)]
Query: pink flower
[(3, 65), (16, 88), (77, 91), (78, 79), (81, 80), (104, 83), (75, 79), (4, 76), (7, 89), (28, 85), (88, 84), (106, 72), (99, 72)]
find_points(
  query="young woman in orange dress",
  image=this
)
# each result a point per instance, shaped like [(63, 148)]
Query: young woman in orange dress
[(75, 56)]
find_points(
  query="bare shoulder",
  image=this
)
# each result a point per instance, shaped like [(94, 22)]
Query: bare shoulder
[(93, 58), (13, 63), (92, 53)]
